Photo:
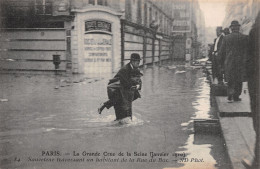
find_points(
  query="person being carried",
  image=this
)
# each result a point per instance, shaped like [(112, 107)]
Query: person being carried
[(124, 88)]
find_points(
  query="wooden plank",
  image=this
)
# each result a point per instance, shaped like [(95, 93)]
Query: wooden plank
[(165, 57), (30, 65), (247, 130), (135, 38), (208, 126), (241, 108), (149, 47), (131, 46), (33, 34), (218, 89), (238, 144), (128, 53), (41, 55), (165, 53), (156, 53), (234, 109), (148, 53), (148, 60), (34, 45)]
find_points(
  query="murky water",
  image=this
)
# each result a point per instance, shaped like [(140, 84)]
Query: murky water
[(38, 117)]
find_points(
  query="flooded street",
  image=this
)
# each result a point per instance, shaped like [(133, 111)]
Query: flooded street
[(37, 118)]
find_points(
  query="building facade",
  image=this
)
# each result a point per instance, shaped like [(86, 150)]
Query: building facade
[(244, 12), (93, 36)]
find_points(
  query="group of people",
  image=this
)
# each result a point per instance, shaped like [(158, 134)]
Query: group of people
[(231, 59), (235, 59)]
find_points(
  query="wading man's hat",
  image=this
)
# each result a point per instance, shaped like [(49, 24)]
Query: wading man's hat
[(234, 23), (135, 56)]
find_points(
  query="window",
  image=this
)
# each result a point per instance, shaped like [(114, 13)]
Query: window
[(161, 23), (91, 2), (43, 7), (156, 16), (145, 14), (98, 2), (150, 15), (139, 12)]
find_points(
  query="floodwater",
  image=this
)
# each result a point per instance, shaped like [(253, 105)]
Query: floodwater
[(44, 125)]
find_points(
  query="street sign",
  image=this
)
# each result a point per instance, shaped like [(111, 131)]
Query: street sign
[(182, 16), (97, 25)]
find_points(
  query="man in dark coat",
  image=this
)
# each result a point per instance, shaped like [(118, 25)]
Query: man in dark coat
[(233, 54), (127, 91), (216, 67), (252, 67)]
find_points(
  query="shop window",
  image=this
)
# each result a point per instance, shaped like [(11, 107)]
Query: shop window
[(150, 15), (43, 7), (145, 14), (102, 2), (91, 2), (139, 12), (98, 2)]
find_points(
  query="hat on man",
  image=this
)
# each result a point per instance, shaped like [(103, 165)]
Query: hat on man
[(135, 56), (234, 23)]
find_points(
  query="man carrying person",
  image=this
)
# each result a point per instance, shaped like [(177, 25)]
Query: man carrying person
[(123, 89)]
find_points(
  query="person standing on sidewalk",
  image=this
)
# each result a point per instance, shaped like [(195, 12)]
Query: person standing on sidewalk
[(232, 55), (216, 71), (226, 31), (221, 70), (125, 84), (252, 70)]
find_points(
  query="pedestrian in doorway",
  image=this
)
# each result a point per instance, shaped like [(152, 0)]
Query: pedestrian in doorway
[(252, 67), (124, 88), (232, 55), (216, 67)]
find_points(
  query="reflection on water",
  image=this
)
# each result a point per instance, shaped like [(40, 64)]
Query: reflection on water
[(202, 102), (38, 115), (203, 147), (198, 156)]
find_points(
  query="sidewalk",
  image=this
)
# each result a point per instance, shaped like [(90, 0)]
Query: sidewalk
[(237, 130), (237, 127)]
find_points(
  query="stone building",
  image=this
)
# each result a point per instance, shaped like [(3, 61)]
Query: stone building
[(89, 36), (190, 23)]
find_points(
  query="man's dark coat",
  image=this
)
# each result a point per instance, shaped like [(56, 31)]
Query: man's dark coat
[(123, 102), (216, 65), (232, 54)]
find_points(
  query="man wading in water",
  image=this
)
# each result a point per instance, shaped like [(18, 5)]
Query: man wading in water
[(123, 89)]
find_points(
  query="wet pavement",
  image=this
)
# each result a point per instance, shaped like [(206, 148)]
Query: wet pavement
[(52, 122)]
